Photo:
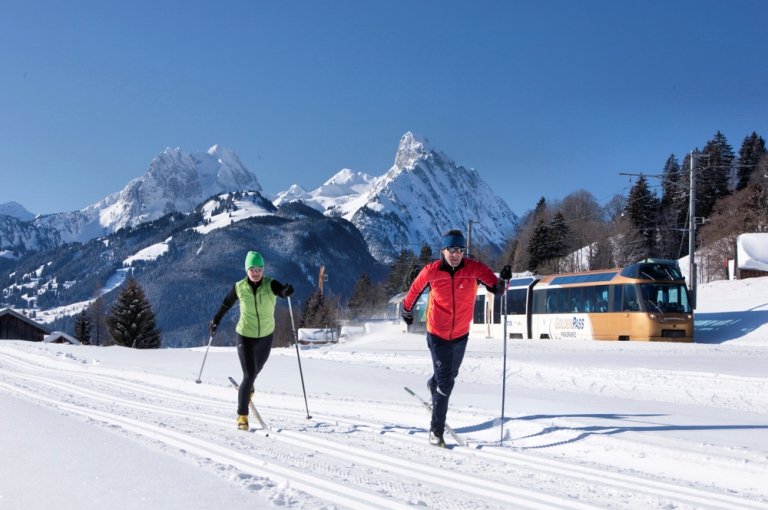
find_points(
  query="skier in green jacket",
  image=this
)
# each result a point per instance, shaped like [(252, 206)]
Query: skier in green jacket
[(257, 295)]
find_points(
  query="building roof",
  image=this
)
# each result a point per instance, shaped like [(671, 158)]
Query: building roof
[(17, 315), (752, 251), (59, 337)]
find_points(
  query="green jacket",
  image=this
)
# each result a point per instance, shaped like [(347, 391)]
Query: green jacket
[(257, 311)]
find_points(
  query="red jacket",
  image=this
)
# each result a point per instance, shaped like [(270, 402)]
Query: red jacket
[(451, 302)]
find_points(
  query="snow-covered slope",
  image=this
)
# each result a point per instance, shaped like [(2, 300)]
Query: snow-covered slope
[(333, 197), (587, 425), (175, 182)]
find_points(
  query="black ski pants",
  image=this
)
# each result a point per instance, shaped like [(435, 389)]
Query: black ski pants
[(446, 361), (253, 354)]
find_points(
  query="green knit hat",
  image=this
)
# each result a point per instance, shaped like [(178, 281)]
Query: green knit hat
[(253, 259)]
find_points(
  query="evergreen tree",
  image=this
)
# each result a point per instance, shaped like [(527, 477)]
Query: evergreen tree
[(363, 299), (713, 174), (131, 322), (538, 249), (671, 182), (673, 211), (751, 152), (317, 312), (425, 256), (401, 274), (83, 328), (558, 236), (641, 211)]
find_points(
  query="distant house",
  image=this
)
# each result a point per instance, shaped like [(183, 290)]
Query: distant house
[(751, 256), (14, 326), (59, 337)]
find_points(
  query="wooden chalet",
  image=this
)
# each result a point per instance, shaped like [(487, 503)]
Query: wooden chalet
[(14, 326)]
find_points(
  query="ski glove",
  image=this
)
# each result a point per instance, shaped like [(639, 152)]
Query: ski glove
[(287, 291), (407, 316), (212, 328), (506, 272)]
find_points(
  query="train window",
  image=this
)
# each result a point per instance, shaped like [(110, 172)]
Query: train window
[(563, 303), (616, 295), (516, 301), (629, 302), (601, 298), (589, 300), (665, 298), (577, 300), (479, 315)]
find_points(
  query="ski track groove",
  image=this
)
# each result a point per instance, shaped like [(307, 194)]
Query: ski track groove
[(341, 493)]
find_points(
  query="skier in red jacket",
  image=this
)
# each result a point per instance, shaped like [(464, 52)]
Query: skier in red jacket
[(453, 282)]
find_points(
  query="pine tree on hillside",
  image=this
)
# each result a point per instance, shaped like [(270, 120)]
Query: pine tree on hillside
[(641, 211), (363, 299), (318, 312), (83, 328), (713, 174), (673, 212), (425, 256), (538, 247), (401, 274), (751, 152), (558, 236), (131, 322)]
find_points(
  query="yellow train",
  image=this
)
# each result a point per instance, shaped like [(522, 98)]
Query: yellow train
[(645, 301)]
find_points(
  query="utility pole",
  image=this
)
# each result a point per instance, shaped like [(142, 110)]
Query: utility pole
[(692, 236)]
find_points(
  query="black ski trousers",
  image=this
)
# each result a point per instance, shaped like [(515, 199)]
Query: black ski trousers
[(446, 361), (253, 354)]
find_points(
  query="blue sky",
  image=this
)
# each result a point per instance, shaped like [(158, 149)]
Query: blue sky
[(542, 98)]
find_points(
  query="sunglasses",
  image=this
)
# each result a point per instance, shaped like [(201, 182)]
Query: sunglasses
[(455, 250), (255, 269)]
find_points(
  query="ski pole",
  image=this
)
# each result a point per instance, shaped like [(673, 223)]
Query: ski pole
[(298, 357), (504, 369), (198, 380)]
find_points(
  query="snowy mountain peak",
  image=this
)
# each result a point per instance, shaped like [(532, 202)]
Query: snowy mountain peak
[(16, 210), (411, 149), (345, 182), (175, 182)]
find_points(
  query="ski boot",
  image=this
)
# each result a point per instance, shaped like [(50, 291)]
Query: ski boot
[(436, 439), (242, 422)]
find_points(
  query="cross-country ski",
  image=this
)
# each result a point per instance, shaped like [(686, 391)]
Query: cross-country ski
[(428, 408), (253, 409)]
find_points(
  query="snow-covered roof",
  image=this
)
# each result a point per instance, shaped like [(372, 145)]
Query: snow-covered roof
[(752, 251), (61, 337)]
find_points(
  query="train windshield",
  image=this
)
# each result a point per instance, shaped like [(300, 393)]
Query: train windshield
[(665, 298)]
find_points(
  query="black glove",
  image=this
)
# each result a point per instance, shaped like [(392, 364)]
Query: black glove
[(212, 328), (407, 316), (506, 272), (287, 291)]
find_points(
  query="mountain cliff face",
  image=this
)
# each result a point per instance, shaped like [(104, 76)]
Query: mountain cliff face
[(175, 182), (423, 195), (18, 237)]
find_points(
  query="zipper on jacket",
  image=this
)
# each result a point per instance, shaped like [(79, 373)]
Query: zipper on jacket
[(453, 305)]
